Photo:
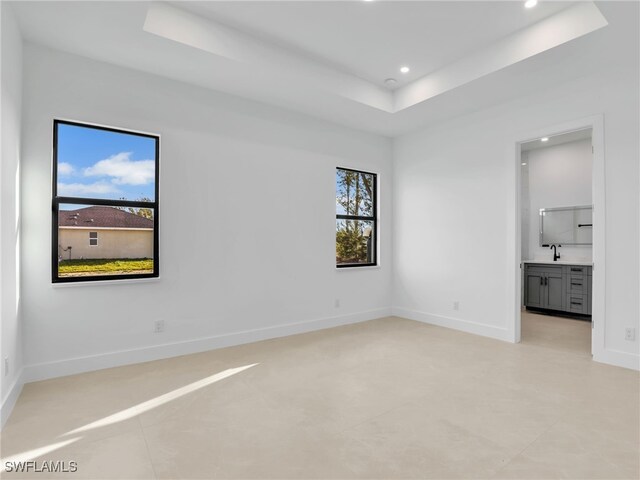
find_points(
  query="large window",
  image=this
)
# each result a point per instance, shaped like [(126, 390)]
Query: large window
[(356, 218), (105, 203)]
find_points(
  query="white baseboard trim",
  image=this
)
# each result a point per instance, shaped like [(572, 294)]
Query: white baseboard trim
[(618, 358), (483, 329), (72, 366), (610, 357), (9, 401)]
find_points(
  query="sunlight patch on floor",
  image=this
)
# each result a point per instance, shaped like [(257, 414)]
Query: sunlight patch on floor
[(160, 400), (35, 453)]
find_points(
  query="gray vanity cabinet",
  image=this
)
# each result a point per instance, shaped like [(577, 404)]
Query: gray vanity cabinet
[(544, 286), (565, 288)]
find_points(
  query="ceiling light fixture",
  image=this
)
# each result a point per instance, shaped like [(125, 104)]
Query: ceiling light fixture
[(404, 69), (530, 3), (391, 82), (544, 139), (523, 164)]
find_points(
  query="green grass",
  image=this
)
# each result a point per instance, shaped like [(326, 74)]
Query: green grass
[(105, 266)]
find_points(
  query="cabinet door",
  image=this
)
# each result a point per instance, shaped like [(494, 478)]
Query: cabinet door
[(534, 289), (553, 292)]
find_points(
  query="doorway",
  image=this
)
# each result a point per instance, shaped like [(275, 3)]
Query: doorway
[(559, 236)]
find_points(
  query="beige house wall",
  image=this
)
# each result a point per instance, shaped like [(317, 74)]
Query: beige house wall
[(112, 243)]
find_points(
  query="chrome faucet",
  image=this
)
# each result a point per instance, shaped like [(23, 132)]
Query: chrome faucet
[(556, 255)]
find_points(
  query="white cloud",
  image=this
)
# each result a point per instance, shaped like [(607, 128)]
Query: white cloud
[(65, 168), (123, 170), (85, 190)]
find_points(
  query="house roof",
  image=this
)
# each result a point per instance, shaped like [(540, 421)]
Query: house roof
[(102, 217)]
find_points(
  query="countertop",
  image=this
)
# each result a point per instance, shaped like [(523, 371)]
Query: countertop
[(560, 262)]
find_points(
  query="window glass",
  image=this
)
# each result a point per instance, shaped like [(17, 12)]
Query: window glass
[(354, 193), (123, 245), (354, 242), (98, 163)]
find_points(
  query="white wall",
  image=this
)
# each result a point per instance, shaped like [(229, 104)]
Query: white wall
[(558, 176), (254, 186), (454, 191), (10, 101)]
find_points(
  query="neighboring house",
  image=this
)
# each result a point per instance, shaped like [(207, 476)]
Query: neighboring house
[(103, 232)]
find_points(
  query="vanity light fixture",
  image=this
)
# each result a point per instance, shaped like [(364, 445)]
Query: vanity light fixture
[(404, 69), (544, 139), (530, 3)]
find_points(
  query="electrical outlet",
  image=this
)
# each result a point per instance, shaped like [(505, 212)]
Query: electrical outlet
[(337, 303), (630, 334), (158, 326), (456, 305), (6, 366)]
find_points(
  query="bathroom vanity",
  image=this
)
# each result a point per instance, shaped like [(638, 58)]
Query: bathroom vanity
[(558, 286)]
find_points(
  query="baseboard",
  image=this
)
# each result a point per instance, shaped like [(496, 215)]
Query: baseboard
[(11, 398), (454, 323), (72, 366), (618, 359)]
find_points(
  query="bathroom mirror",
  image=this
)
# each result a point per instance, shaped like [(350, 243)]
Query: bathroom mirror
[(566, 225)]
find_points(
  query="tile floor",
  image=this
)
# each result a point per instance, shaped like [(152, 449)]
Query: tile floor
[(389, 398), (559, 333)]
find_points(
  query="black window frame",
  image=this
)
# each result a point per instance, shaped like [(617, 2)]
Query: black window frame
[(373, 219), (56, 201)]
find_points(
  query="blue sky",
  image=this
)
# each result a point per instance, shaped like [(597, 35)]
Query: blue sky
[(102, 164)]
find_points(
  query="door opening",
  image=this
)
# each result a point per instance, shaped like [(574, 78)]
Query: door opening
[(559, 283)]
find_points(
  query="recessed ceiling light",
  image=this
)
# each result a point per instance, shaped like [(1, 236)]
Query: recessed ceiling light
[(524, 163), (544, 139), (530, 3), (404, 69)]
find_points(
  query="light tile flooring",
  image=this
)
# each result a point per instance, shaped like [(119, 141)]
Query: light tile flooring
[(389, 398), (559, 333)]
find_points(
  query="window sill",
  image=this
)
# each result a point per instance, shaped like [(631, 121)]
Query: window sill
[(364, 267), (94, 283)]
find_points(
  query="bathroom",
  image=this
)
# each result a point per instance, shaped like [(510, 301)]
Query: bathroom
[(556, 202)]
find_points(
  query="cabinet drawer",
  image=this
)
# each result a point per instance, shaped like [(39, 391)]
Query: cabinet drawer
[(579, 270), (577, 284), (543, 268), (577, 303)]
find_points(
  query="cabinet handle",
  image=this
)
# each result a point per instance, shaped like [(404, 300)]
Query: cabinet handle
[(576, 303), (577, 284), (576, 269), (546, 280), (541, 280)]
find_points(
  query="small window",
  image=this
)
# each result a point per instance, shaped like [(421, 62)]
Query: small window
[(356, 218), (105, 187)]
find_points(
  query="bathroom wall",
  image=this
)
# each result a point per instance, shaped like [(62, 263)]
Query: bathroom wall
[(555, 176)]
